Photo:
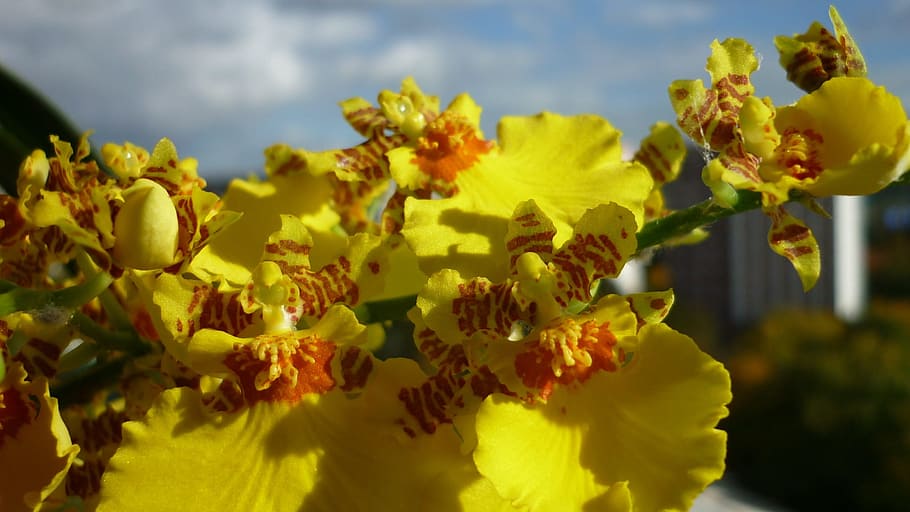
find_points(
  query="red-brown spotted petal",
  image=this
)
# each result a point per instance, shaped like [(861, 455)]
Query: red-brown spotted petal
[(792, 239), (710, 116), (530, 230), (604, 239)]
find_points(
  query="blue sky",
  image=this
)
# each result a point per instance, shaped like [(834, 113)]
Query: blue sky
[(224, 79)]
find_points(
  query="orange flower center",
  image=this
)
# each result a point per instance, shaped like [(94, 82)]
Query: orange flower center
[(567, 352), (282, 368), (798, 153), (449, 145)]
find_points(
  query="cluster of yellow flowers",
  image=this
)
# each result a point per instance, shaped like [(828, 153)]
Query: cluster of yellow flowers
[(216, 352)]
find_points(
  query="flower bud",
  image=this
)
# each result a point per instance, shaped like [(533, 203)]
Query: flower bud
[(127, 160), (815, 57), (146, 227), (401, 111)]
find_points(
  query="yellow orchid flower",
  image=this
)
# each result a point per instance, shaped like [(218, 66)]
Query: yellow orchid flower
[(303, 419), (816, 56), (167, 217), (156, 216), (359, 175), (640, 437), (456, 306), (513, 354), (848, 137), (728, 119), (281, 291), (72, 195), (544, 281), (34, 443), (556, 160)]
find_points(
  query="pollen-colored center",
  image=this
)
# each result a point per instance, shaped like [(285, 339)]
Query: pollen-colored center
[(567, 352), (449, 145), (798, 153), (282, 368)]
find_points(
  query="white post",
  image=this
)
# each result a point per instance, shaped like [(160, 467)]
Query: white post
[(633, 278), (850, 272)]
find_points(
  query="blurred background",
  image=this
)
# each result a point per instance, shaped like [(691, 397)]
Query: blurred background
[(821, 414)]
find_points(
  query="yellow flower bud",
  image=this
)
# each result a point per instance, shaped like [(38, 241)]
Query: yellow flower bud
[(127, 160), (401, 111), (815, 57), (146, 227)]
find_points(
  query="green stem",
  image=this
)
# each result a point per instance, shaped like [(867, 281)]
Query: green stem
[(123, 340), (112, 307), (76, 296), (682, 222), (26, 299)]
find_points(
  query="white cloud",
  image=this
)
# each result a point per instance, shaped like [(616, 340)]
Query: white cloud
[(390, 63), (662, 14), (225, 78), (174, 63)]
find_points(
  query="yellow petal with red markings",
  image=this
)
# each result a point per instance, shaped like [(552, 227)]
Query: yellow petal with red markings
[(354, 276), (178, 176), (650, 307), (602, 242), (180, 307), (792, 239), (530, 230), (455, 308), (710, 116), (662, 152)]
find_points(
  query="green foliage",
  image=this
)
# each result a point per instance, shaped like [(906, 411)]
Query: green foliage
[(821, 415)]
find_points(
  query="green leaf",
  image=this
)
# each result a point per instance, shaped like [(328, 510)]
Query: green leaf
[(27, 119)]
